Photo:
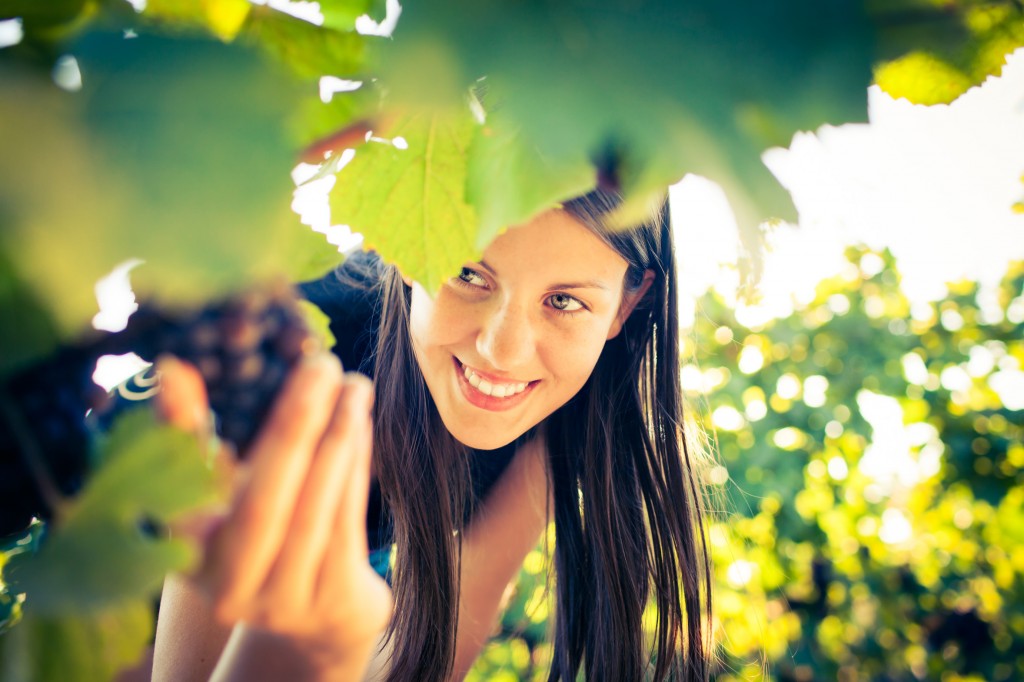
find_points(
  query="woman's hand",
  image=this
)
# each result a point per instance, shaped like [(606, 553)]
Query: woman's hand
[(289, 556)]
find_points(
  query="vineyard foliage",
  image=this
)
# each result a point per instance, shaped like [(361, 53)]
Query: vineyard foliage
[(165, 131)]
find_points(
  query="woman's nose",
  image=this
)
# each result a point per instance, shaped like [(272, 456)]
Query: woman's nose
[(505, 339)]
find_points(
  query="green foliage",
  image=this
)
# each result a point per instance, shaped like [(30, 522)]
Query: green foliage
[(935, 51), (173, 152), (99, 552), (408, 202), (176, 150), (94, 646), (87, 590)]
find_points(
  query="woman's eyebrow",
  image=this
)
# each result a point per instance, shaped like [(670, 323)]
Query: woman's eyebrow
[(585, 284)]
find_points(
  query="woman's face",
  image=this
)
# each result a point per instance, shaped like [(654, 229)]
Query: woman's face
[(513, 337)]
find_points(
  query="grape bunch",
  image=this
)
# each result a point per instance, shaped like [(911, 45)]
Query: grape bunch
[(242, 346)]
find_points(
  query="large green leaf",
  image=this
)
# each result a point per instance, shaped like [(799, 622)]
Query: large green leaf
[(28, 330), (507, 178), (650, 91), (174, 151), (310, 51), (409, 204), (97, 555), (933, 52)]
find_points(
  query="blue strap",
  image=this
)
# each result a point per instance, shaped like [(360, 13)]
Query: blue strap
[(380, 560)]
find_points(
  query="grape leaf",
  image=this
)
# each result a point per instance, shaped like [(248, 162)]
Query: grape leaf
[(652, 91), (507, 179), (174, 152), (342, 14), (409, 204), (310, 51), (932, 54), (97, 556), (93, 646), (28, 330)]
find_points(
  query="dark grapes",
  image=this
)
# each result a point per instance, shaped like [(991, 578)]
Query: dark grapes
[(242, 346)]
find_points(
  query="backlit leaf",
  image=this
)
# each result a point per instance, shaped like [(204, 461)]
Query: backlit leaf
[(410, 203)]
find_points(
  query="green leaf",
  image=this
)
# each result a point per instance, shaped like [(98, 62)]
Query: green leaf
[(94, 646), (649, 92), (932, 53), (318, 322), (29, 331), (96, 555), (315, 121), (174, 152), (409, 204), (508, 180), (342, 14), (308, 50)]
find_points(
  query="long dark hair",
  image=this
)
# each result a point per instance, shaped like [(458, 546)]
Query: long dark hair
[(628, 508)]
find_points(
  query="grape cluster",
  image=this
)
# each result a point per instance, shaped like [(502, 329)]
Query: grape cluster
[(242, 346)]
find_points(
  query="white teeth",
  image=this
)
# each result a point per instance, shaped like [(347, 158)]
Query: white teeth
[(495, 390)]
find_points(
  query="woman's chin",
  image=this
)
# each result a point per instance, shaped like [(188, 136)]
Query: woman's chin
[(480, 439)]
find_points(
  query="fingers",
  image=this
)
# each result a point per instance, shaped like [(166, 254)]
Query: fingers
[(338, 460), (247, 544), (181, 400), (349, 550)]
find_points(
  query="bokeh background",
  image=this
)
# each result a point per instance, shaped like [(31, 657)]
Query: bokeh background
[(864, 417)]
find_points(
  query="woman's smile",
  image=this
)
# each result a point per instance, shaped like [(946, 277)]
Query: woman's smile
[(489, 392)]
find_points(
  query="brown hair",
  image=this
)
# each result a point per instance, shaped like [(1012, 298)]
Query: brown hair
[(628, 508)]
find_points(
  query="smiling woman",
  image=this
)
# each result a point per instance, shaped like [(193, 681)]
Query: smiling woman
[(513, 338), (539, 384)]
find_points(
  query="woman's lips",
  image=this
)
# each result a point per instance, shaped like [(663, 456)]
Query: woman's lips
[(484, 401)]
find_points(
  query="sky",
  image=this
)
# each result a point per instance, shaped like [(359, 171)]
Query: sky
[(936, 185)]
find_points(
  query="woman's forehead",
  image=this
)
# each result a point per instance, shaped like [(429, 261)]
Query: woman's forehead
[(557, 248)]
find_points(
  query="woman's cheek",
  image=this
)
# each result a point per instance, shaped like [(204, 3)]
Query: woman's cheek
[(436, 321)]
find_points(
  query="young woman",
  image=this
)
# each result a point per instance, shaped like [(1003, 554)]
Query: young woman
[(539, 384)]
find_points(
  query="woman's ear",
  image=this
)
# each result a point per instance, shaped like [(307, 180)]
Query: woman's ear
[(629, 301)]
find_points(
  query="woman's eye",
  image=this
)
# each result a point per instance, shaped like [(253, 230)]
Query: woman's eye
[(472, 278), (564, 303)]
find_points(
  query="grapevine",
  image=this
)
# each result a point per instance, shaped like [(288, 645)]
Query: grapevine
[(242, 346)]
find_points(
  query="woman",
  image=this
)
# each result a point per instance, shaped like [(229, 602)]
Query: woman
[(557, 351)]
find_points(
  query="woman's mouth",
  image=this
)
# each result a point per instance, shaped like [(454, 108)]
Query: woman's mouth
[(488, 393)]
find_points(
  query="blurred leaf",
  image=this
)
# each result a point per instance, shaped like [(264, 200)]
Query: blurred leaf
[(342, 14), (173, 152), (94, 646), (648, 90), (507, 179), (98, 555), (315, 123), (310, 51), (409, 203), (933, 52), (226, 17), (318, 322), (41, 14), (28, 330)]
